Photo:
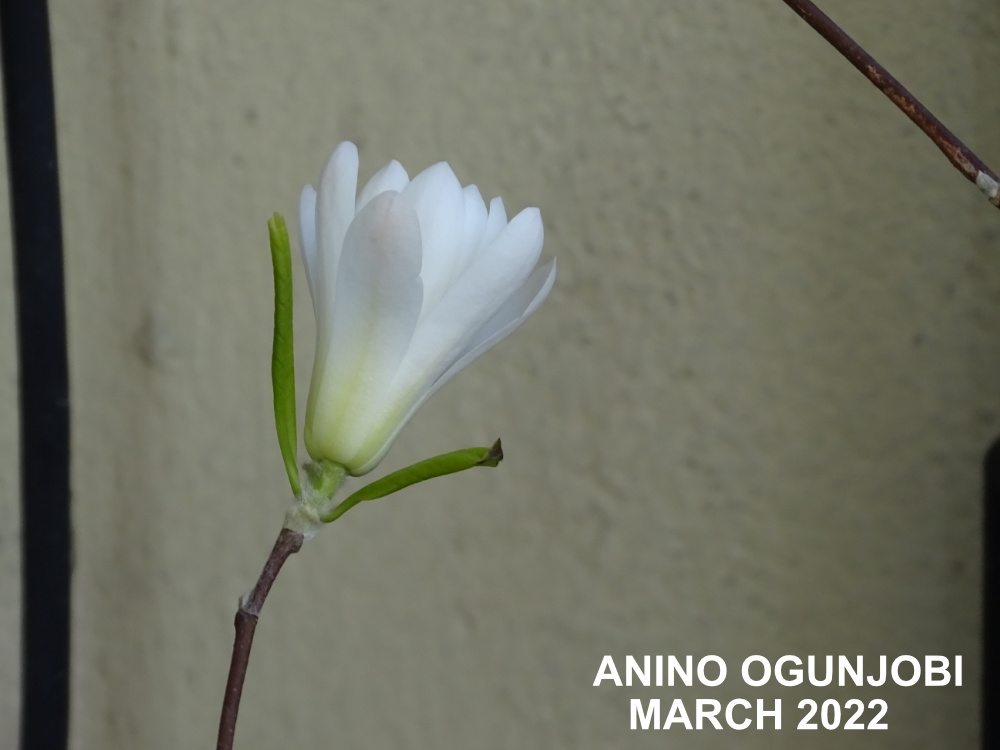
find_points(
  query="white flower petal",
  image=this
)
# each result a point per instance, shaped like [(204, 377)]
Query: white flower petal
[(334, 213), (475, 225), (391, 177), (307, 242), (496, 222), (373, 318), (493, 278), (521, 306), (436, 196)]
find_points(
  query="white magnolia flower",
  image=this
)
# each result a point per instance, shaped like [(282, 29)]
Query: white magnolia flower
[(411, 280)]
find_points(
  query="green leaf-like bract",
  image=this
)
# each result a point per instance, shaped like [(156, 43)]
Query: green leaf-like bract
[(283, 350), (438, 466)]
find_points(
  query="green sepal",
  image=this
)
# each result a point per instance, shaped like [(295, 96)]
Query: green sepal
[(438, 466), (283, 350)]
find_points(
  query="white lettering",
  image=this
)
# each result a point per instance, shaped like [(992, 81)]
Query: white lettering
[(881, 675), (702, 713), (746, 670), (632, 667), (844, 668), (776, 713), (651, 717), (812, 672), (677, 715), (796, 674), (722, 671), (685, 674), (608, 671), (936, 665), (729, 713), (895, 670)]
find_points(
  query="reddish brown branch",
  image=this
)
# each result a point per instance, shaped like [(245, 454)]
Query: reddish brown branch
[(957, 152), (288, 543)]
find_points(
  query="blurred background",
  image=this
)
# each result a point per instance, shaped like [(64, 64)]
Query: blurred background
[(749, 420)]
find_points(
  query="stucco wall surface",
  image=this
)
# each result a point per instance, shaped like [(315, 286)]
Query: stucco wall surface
[(749, 420)]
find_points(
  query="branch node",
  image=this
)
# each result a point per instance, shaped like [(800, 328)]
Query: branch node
[(988, 185)]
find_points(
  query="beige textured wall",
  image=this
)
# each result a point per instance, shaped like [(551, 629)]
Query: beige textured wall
[(749, 419)]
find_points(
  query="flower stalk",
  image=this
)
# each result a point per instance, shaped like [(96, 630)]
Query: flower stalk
[(288, 543), (960, 155)]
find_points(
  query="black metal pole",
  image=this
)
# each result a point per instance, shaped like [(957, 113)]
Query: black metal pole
[(29, 111), (991, 600)]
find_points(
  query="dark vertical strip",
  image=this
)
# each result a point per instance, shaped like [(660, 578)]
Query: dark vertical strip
[(991, 600), (29, 111)]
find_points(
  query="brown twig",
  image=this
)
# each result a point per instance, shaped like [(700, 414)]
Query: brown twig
[(957, 152), (288, 543)]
